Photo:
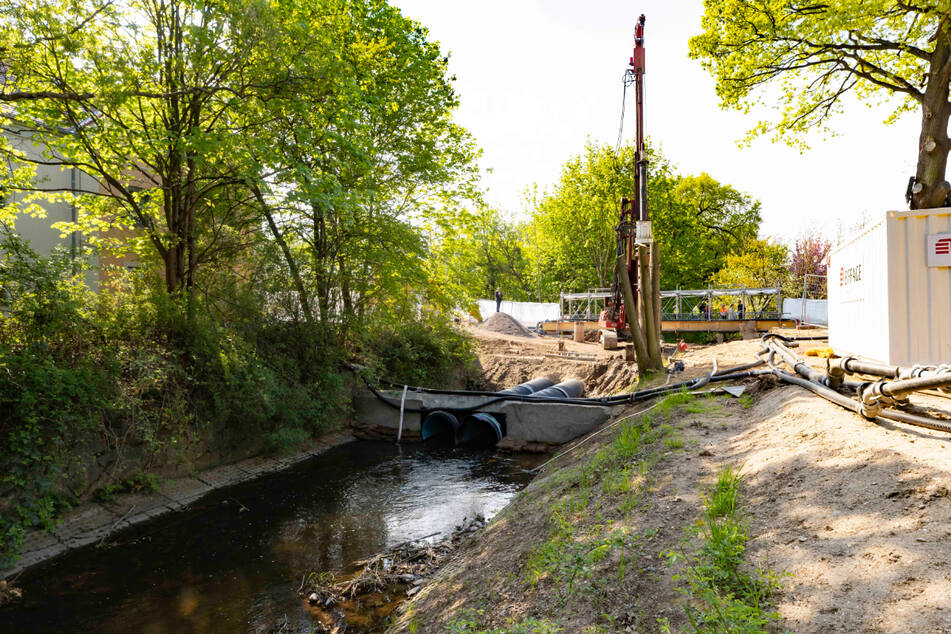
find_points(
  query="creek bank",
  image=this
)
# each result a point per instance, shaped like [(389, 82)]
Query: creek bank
[(850, 517), (95, 522), (366, 597)]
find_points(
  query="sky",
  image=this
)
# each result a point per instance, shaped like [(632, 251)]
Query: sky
[(537, 79)]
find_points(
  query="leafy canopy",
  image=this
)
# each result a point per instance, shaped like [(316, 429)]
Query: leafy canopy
[(814, 53)]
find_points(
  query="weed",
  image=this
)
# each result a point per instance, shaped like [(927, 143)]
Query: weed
[(746, 401), (674, 442), (287, 440), (471, 621), (724, 596), (139, 483)]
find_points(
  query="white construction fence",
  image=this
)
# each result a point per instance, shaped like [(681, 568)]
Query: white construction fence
[(810, 312), (528, 313)]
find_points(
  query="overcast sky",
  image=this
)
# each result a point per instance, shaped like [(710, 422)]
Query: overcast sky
[(537, 78)]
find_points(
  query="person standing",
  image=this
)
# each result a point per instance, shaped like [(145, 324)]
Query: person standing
[(498, 300)]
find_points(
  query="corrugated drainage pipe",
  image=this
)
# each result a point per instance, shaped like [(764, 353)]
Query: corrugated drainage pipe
[(529, 387), (570, 388), (441, 426), (480, 430)]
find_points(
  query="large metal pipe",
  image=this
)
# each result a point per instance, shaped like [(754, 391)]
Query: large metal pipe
[(569, 388), (530, 387)]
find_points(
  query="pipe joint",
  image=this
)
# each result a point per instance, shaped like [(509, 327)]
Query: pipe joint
[(874, 399), (836, 371)]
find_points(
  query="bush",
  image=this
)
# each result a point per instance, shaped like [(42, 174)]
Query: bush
[(429, 351), (133, 368)]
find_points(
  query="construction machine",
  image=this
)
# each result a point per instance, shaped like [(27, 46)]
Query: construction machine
[(635, 295)]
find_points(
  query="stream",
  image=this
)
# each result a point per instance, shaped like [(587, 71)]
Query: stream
[(234, 560)]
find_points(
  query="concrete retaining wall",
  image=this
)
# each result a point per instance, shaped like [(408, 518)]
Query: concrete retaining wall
[(93, 523), (547, 423)]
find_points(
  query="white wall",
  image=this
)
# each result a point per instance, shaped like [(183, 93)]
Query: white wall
[(858, 295), (919, 295), (38, 231)]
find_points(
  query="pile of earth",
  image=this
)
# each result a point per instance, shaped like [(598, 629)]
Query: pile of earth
[(505, 324)]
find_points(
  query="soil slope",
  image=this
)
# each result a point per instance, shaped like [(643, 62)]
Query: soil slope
[(854, 516)]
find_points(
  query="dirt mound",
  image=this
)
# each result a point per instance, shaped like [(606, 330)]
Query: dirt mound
[(505, 324), (506, 362)]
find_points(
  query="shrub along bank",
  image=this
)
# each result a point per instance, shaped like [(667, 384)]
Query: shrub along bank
[(100, 392)]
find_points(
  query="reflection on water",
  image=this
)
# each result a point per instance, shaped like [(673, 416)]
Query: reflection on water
[(234, 561)]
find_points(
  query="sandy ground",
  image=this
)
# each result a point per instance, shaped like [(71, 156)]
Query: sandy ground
[(508, 360), (854, 515)]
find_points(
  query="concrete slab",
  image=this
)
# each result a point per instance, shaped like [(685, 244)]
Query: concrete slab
[(94, 522), (184, 490), (37, 541), (223, 476), (259, 465), (82, 520)]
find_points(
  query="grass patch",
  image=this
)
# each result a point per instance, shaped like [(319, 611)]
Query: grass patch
[(723, 594), (470, 623), (583, 537)]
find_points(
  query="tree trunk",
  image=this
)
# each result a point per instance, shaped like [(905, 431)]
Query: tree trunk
[(658, 314), (288, 256), (930, 188)]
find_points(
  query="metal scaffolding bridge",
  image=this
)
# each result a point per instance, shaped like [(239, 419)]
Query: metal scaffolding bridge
[(718, 309)]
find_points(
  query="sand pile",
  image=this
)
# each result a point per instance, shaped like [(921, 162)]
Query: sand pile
[(505, 324)]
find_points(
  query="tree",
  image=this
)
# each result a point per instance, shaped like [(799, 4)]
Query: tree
[(696, 220), (810, 258), (148, 106), (758, 264), (810, 55), (358, 167), (477, 252)]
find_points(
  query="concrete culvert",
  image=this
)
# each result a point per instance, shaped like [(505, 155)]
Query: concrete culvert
[(441, 427), (481, 430)]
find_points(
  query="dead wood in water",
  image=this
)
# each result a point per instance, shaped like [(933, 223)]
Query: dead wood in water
[(402, 567)]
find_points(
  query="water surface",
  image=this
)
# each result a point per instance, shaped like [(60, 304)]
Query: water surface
[(233, 562)]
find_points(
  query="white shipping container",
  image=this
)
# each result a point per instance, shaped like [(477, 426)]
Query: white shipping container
[(890, 289)]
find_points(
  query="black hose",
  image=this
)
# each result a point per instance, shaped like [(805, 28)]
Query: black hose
[(914, 419), (857, 366), (740, 368)]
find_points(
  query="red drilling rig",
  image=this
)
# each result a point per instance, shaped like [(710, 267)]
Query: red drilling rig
[(635, 297)]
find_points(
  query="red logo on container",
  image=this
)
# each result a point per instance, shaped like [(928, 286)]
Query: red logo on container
[(841, 275), (942, 246)]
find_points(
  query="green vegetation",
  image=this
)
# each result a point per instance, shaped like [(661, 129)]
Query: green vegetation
[(585, 530), (697, 222), (722, 594), (804, 60), (470, 624), (265, 174)]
